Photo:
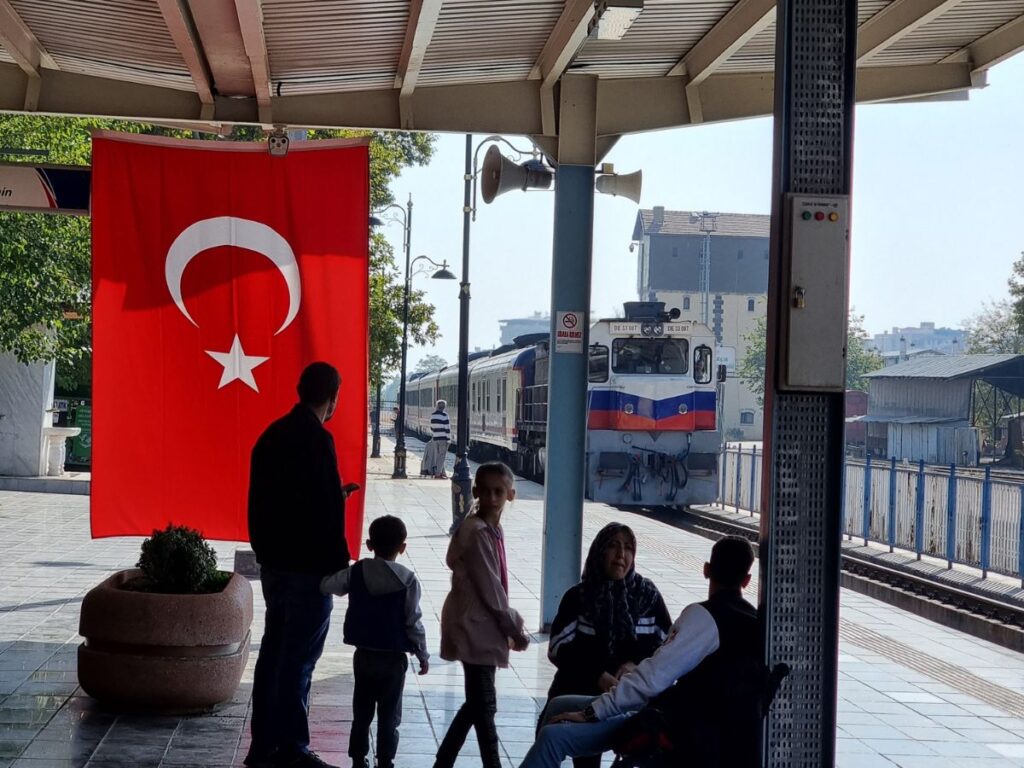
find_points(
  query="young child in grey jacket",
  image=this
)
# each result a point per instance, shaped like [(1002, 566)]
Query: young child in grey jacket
[(383, 623)]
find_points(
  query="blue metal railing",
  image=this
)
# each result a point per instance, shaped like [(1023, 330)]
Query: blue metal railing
[(956, 514)]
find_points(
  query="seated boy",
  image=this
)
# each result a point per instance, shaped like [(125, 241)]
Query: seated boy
[(383, 623)]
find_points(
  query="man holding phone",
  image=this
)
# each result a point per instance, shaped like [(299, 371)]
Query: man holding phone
[(297, 531)]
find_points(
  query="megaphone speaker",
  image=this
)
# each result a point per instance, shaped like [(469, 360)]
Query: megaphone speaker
[(499, 175), (627, 185)]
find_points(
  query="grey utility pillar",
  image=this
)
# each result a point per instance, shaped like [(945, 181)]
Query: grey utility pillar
[(570, 332), (807, 306)]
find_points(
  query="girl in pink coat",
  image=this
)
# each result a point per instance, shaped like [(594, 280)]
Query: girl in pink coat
[(478, 626)]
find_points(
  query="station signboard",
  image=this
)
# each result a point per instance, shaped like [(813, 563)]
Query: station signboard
[(35, 188)]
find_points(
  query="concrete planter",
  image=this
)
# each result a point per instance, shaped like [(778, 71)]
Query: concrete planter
[(163, 653)]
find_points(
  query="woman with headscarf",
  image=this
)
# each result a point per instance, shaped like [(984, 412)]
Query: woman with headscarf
[(607, 624)]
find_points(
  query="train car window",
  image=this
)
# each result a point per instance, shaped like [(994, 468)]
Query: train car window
[(501, 387), (598, 363), (702, 364), (487, 395), (650, 356)]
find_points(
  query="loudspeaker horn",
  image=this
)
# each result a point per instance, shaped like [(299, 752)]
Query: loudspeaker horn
[(499, 175), (627, 185)]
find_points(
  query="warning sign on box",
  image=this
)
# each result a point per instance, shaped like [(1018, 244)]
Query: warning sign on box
[(569, 332)]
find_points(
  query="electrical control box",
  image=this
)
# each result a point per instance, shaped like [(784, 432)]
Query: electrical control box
[(816, 275)]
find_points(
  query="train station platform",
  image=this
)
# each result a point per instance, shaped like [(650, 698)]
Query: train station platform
[(911, 693)]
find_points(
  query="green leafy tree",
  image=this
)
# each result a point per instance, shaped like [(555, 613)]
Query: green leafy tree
[(994, 329), (860, 360), (45, 261), (1016, 285), (431, 363)]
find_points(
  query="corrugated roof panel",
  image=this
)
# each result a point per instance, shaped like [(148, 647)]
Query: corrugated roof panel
[(320, 46), (758, 55), (122, 39), (663, 32), (941, 366), (953, 30), (484, 41)]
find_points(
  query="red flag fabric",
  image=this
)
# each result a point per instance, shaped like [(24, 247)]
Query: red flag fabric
[(219, 273)]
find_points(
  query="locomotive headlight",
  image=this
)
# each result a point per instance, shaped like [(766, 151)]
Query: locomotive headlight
[(682, 408), (659, 329), (628, 408), (627, 438)]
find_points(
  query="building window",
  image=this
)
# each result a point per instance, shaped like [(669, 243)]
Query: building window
[(750, 305), (746, 417), (686, 302), (675, 252), (740, 254)]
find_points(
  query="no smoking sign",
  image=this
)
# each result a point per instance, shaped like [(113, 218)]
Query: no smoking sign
[(569, 332)]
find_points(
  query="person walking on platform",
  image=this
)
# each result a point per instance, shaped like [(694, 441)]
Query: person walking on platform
[(436, 451), (477, 623), (297, 531), (710, 648), (383, 622)]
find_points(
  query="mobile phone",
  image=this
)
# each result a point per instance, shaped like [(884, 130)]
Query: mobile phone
[(350, 488)]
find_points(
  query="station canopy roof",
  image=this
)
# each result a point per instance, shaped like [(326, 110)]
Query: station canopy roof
[(461, 65), (1002, 371)]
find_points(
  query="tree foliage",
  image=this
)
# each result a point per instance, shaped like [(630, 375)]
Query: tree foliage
[(45, 260), (860, 360), (994, 329), (1016, 286), (431, 363)]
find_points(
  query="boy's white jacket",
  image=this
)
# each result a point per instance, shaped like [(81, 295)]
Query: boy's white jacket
[(382, 577)]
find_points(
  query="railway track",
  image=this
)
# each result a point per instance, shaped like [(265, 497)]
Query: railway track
[(987, 617)]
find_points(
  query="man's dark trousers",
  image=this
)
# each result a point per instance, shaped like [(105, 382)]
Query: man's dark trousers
[(298, 617), (379, 680)]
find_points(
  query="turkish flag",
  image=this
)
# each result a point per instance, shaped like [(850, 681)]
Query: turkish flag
[(219, 273)]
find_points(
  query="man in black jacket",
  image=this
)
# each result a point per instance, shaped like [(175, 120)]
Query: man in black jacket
[(297, 530)]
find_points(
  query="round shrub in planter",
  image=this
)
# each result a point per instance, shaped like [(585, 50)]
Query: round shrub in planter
[(169, 636)]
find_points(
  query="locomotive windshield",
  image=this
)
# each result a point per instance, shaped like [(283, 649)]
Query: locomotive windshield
[(650, 356)]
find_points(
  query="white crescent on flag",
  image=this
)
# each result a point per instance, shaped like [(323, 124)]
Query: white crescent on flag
[(241, 233)]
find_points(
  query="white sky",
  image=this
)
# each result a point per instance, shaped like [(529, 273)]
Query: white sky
[(938, 212)]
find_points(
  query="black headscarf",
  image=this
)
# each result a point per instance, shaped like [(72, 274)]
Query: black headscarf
[(612, 606)]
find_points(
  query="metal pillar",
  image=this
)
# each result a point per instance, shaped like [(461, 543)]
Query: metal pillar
[(375, 445), (802, 487), (399, 469), (462, 483), (567, 377)]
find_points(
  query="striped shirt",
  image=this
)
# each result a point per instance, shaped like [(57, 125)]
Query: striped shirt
[(440, 426)]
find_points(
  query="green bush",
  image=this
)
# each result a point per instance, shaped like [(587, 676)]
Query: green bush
[(177, 560)]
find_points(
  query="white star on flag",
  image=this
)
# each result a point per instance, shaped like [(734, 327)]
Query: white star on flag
[(237, 364)]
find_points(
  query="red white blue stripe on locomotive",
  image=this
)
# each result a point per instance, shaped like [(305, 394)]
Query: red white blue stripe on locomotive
[(610, 409)]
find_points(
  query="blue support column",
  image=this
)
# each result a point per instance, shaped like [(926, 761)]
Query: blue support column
[(567, 388), (866, 520), (919, 510), (891, 533), (739, 478), (986, 522), (951, 517), (1020, 540)]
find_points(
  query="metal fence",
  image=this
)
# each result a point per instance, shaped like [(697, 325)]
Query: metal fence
[(388, 416), (960, 515)]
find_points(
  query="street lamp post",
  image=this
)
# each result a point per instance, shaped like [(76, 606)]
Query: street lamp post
[(398, 472), (462, 483)]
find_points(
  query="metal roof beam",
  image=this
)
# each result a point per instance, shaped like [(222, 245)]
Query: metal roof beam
[(896, 21), (22, 46), (739, 25), (743, 21), (623, 105), (993, 48), (250, 21), (423, 15), (182, 29), (562, 45)]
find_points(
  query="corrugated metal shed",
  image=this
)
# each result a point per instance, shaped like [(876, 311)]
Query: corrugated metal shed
[(947, 367)]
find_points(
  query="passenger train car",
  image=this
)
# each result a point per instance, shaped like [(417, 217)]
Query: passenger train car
[(651, 408)]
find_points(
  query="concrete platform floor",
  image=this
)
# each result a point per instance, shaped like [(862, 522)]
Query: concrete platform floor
[(911, 693)]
